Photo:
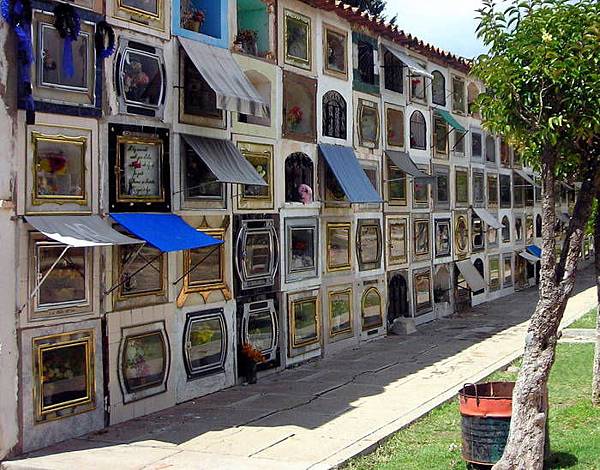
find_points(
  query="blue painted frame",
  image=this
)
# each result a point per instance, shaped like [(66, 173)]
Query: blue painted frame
[(222, 41)]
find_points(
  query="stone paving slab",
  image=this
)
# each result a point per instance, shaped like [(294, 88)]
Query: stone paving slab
[(321, 414)]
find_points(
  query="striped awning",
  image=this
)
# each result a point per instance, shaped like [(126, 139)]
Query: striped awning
[(411, 63), (220, 70)]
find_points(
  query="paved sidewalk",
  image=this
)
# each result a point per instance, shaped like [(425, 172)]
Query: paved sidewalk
[(323, 413)]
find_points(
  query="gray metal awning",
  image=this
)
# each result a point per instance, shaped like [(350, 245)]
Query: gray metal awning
[(526, 177), (349, 174), (403, 161), (224, 160), (471, 275), (411, 63), (487, 217), (529, 257), (79, 230), (220, 70)]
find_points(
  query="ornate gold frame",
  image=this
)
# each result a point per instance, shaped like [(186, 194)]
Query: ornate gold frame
[(259, 151), (291, 305), (391, 259), (205, 288), (64, 340), (422, 273), (331, 226), (395, 201), (326, 70), (362, 308), (297, 61), (362, 104), (143, 13), (127, 139), (80, 141), (330, 294)]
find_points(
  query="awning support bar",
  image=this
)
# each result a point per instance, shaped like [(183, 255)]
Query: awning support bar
[(196, 265), (39, 284), (116, 286)]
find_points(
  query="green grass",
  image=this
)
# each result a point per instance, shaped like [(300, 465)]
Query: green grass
[(587, 321), (434, 441)]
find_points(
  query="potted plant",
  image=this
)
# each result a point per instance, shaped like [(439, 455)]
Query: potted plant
[(250, 358), (246, 39)]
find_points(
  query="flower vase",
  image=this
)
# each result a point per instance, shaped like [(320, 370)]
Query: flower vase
[(249, 370)]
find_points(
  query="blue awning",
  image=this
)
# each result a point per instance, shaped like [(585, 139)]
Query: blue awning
[(166, 232), (535, 250), (352, 178)]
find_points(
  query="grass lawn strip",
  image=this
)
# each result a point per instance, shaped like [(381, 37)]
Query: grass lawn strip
[(434, 441), (587, 321)]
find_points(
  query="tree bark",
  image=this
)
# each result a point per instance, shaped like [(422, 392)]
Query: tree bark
[(596, 374), (525, 445)]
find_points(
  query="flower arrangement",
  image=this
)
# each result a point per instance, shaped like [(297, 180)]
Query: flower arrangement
[(253, 354), (135, 79), (294, 116), (245, 39), (192, 19)]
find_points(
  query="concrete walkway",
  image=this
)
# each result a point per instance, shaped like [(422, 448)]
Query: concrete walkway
[(321, 414)]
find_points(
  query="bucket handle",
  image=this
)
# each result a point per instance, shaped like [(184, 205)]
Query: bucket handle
[(476, 393)]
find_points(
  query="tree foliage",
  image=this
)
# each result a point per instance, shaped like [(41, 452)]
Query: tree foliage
[(542, 76), (374, 7)]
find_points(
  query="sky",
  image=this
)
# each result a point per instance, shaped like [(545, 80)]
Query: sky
[(448, 24)]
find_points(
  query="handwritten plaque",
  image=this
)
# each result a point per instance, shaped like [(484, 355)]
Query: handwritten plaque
[(141, 170)]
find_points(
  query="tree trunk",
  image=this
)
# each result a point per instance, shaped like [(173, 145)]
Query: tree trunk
[(525, 446), (596, 375)]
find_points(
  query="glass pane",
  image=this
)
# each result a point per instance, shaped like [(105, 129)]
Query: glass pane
[(208, 265), (339, 303), (59, 168), (371, 309), (421, 238), (141, 78), (257, 258), (141, 170), (305, 321), (146, 6), (297, 38), (336, 51), (441, 136), (421, 191), (66, 282), (442, 194), (199, 180), (138, 280), (302, 250), (52, 71), (64, 374), (369, 123), (397, 183), (395, 127), (442, 239), (262, 165), (199, 98), (476, 145), (261, 329), (205, 343), (462, 187), (339, 247), (422, 290), (369, 243), (398, 242), (144, 361)]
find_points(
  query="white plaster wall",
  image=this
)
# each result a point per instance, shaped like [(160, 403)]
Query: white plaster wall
[(9, 354), (116, 322)]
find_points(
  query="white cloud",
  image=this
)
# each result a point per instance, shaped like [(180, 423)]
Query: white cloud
[(448, 24)]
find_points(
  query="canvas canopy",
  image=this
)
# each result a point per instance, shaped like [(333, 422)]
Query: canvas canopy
[(471, 275)]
